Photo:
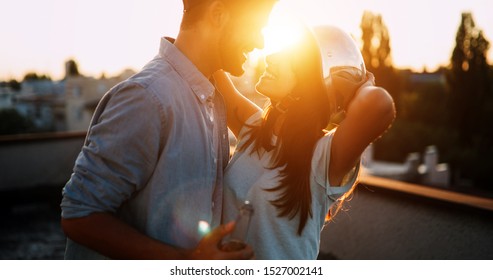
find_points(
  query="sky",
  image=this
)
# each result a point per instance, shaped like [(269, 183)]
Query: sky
[(107, 36)]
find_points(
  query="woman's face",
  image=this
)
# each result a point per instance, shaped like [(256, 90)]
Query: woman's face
[(278, 79)]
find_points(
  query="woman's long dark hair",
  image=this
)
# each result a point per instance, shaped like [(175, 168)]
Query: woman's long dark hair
[(305, 120)]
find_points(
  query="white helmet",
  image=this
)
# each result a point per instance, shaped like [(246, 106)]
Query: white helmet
[(343, 69), (338, 48)]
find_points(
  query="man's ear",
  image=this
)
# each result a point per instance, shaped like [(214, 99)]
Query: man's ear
[(218, 14)]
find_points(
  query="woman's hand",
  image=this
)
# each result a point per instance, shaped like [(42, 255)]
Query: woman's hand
[(343, 90), (370, 81)]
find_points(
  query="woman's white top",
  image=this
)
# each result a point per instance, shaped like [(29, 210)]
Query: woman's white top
[(248, 177)]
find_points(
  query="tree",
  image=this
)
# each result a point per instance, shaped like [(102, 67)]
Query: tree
[(11, 122), (376, 53), (376, 42), (468, 77), (32, 76), (15, 85), (470, 102), (71, 68)]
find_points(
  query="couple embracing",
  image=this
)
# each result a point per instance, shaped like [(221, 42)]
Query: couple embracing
[(155, 165)]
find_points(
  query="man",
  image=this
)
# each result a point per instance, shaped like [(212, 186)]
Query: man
[(149, 175)]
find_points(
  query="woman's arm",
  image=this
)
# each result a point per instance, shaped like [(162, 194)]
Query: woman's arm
[(238, 107), (368, 116)]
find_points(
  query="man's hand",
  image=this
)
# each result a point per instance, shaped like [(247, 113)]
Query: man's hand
[(208, 248), (115, 239)]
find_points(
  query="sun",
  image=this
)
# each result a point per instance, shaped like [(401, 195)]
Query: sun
[(283, 30)]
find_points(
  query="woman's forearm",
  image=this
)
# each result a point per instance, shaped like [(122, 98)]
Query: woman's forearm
[(238, 107), (368, 116)]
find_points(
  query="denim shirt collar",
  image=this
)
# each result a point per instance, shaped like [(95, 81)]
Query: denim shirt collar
[(200, 85)]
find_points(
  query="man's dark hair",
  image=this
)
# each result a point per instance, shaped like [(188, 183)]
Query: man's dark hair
[(190, 4), (193, 9)]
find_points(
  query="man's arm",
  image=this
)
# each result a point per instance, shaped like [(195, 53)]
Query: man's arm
[(115, 239), (120, 154)]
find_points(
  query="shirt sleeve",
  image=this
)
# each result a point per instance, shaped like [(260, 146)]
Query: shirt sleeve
[(119, 155), (320, 164)]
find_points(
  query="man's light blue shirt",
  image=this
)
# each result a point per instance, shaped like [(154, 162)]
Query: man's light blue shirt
[(154, 154)]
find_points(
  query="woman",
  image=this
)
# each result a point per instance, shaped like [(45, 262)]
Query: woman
[(286, 164)]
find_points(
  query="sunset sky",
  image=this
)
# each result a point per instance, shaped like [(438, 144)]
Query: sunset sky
[(110, 35)]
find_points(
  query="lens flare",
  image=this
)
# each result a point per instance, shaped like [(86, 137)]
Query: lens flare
[(282, 30), (203, 228)]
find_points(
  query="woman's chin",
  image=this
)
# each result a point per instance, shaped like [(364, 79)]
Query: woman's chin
[(260, 89), (263, 85)]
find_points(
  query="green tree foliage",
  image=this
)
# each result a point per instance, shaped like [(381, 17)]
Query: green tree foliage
[(15, 85), (376, 42), (31, 76), (71, 68), (11, 122), (471, 102), (376, 53), (422, 119), (451, 108)]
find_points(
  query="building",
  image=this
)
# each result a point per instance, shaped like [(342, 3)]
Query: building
[(41, 101), (429, 172), (82, 94)]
